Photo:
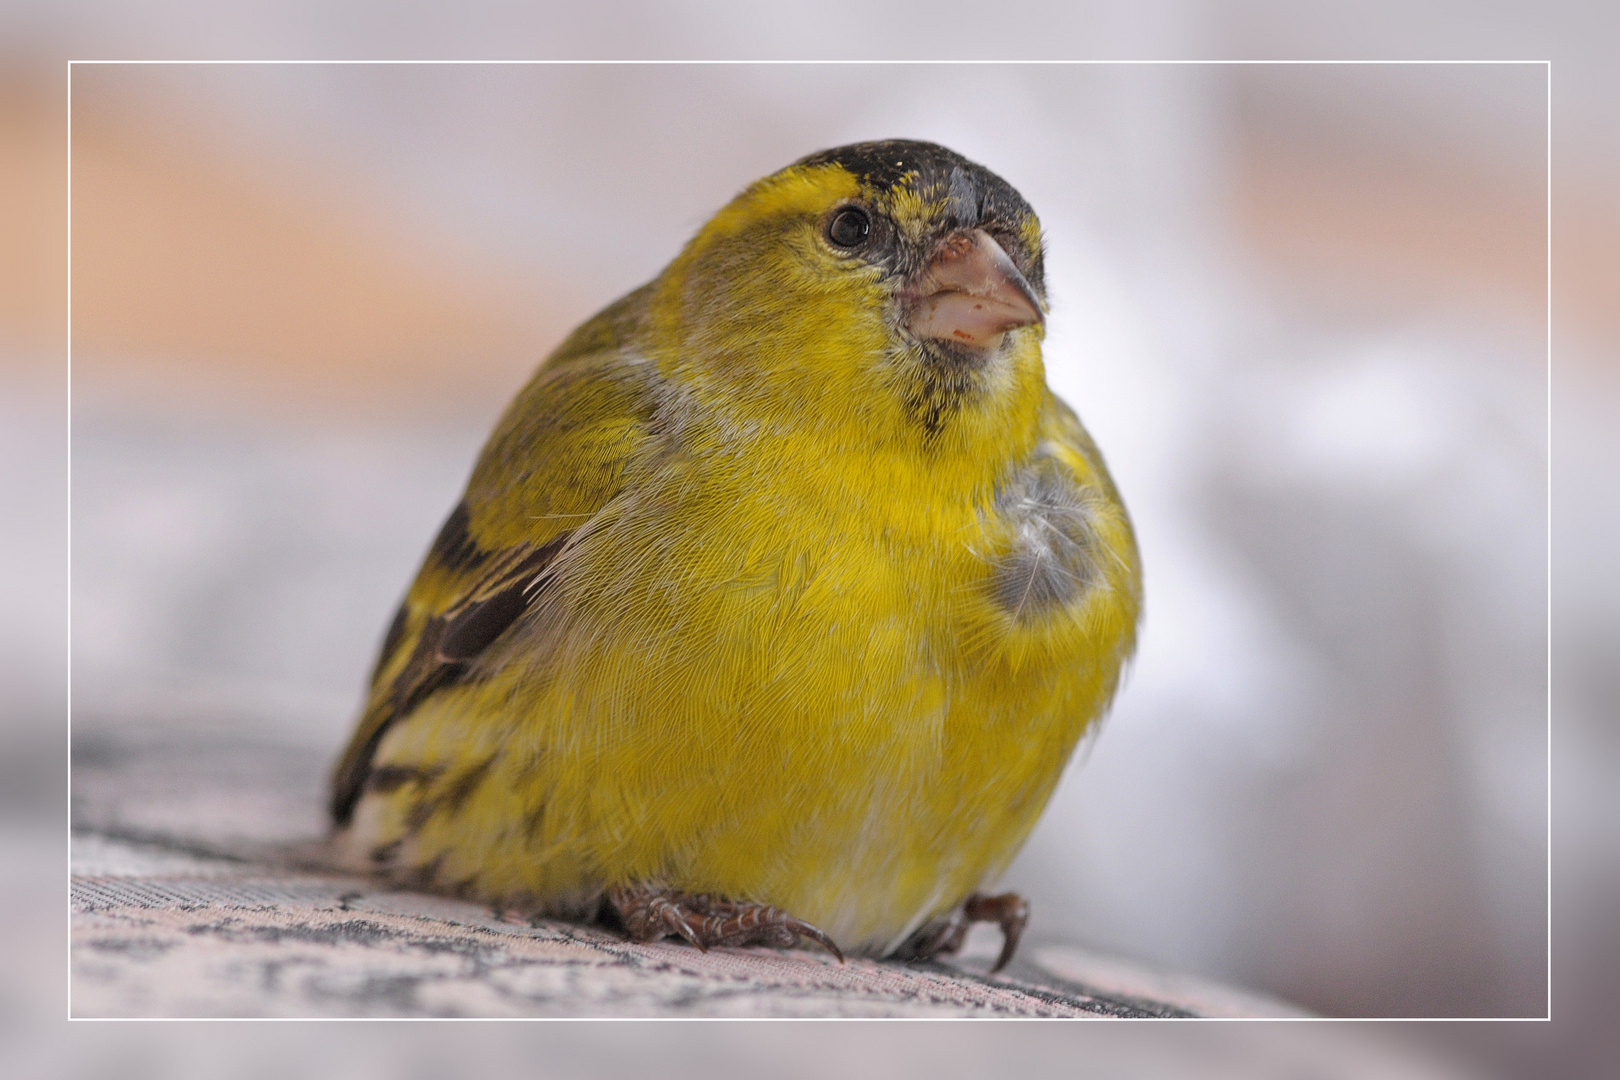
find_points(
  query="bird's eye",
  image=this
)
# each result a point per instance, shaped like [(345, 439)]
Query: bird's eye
[(849, 228)]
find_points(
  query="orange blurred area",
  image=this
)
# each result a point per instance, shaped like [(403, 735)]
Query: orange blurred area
[(1322, 212), (33, 182), (204, 262)]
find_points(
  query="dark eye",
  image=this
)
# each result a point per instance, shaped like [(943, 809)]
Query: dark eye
[(849, 228)]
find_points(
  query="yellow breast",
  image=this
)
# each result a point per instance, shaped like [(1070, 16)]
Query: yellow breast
[(845, 689)]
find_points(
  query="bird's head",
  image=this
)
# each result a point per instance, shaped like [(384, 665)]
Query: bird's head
[(888, 284)]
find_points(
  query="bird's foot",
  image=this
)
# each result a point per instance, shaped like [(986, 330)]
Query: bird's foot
[(944, 936), (650, 914)]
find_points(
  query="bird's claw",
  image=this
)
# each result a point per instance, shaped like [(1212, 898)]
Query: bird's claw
[(944, 937), (650, 914)]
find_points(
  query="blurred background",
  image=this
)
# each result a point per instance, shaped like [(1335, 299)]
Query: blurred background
[(1303, 308), (1315, 360)]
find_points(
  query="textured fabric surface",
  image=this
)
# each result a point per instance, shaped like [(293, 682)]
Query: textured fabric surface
[(194, 894)]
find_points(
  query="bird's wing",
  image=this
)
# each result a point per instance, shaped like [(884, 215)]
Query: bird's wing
[(1060, 427), (558, 456), (1111, 543)]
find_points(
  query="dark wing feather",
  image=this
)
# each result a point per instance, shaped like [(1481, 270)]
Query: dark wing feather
[(442, 655)]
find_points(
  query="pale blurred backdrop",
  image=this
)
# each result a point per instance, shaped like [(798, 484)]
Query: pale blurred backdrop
[(1301, 308)]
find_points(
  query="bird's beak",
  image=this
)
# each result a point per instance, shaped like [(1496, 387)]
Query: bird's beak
[(970, 294)]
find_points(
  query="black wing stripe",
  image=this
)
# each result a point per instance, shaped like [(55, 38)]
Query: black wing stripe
[(471, 632), (473, 628)]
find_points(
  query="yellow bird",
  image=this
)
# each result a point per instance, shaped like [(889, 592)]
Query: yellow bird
[(779, 597)]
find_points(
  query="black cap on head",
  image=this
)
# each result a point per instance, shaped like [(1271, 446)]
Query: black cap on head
[(933, 170)]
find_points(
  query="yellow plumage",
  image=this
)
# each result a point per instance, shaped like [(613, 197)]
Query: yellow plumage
[(756, 593)]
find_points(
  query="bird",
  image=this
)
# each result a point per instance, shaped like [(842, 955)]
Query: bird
[(777, 600)]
